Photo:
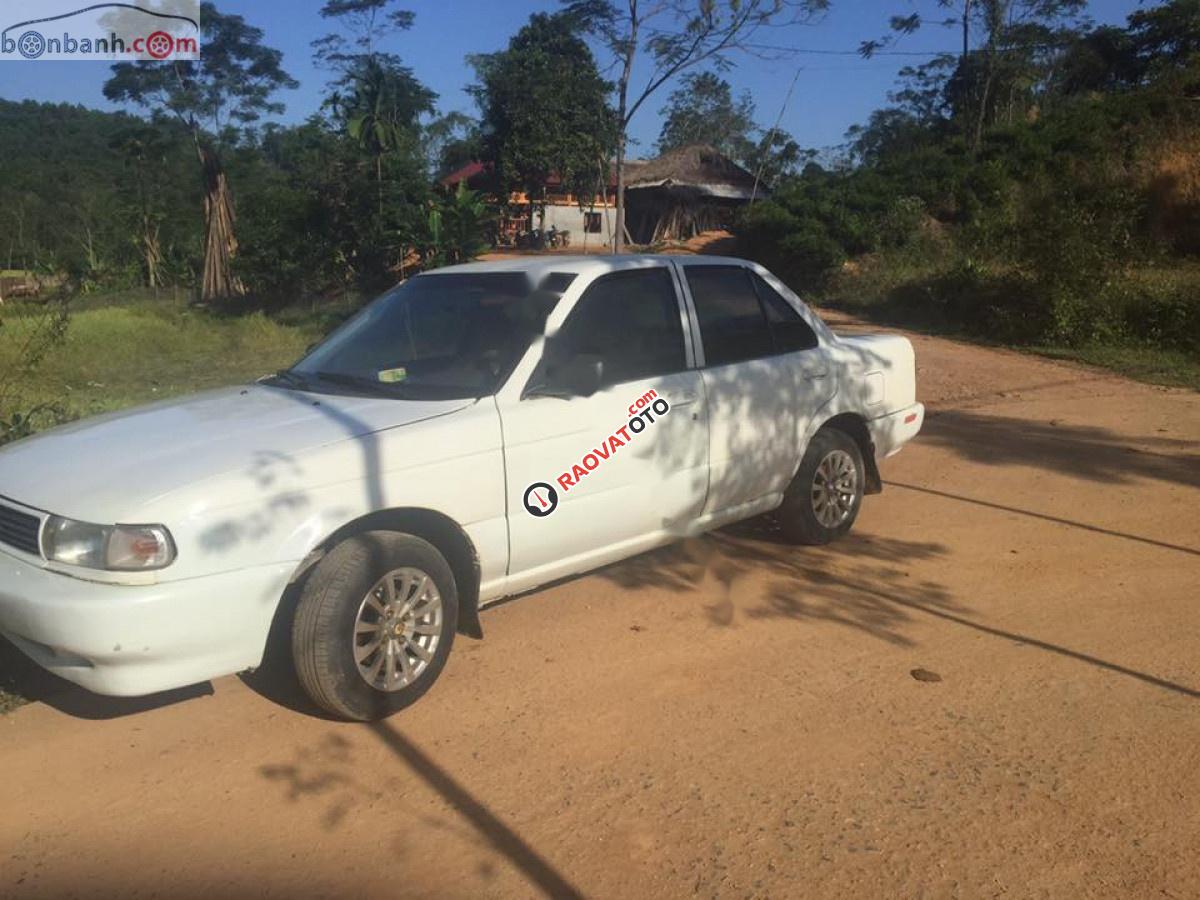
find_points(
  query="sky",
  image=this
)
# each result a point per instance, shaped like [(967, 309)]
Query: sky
[(834, 90)]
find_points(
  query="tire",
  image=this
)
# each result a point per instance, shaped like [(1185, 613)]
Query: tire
[(366, 580), (812, 513)]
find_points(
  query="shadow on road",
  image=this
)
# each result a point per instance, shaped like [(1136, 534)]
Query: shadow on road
[(1044, 517), (860, 582), (838, 583), (329, 771), (21, 677), (1052, 648), (1075, 451), (498, 835)]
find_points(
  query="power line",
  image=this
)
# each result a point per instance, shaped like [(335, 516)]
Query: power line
[(780, 49), (776, 48), (766, 144)]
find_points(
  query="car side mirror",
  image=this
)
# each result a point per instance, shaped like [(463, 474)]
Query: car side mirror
[(582, 375), (565, 374)]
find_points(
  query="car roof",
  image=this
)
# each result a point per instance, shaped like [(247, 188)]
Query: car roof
[(537, 266)]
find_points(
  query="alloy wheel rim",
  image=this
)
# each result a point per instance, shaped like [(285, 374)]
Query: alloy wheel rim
[(398, 629), (834, 488)]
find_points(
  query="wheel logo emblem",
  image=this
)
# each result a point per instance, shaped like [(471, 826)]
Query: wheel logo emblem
[(159, 44), (31, 45), (540, 499)]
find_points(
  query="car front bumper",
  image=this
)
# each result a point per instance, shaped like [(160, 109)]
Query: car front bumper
[(130, 640)]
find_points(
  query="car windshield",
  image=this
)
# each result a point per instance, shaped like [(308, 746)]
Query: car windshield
[(434, 337)]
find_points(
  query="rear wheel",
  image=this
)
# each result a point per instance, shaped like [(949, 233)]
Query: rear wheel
[(374, 625), (823, 499)]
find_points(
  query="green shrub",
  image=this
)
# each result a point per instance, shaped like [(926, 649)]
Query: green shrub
[(29, 332), (901, 224), (1161, 317), (16, 425)]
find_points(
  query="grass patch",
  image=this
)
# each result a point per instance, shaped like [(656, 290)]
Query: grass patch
[(116, 356), (1169, 367), (1143, 324)]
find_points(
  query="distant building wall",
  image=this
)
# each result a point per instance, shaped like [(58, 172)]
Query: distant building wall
[(572, 219)]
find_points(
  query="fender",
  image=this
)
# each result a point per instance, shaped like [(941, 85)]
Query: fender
[(436, 527)]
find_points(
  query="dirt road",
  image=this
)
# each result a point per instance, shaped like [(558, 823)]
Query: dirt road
[(731, 717)]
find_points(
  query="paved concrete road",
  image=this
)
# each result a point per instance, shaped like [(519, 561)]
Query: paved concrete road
[(731, 717)]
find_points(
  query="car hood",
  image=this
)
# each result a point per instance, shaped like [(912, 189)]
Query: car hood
[(104, 468)]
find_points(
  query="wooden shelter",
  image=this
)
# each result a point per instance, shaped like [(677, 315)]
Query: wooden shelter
[(682, 193)]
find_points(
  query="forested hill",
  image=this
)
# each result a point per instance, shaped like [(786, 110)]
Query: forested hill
[(75, 181), (114, 201)]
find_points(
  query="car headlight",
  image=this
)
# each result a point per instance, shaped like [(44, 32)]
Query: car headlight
[(118, 548)]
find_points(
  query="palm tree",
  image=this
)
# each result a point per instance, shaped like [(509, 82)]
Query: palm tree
[(381, 110)]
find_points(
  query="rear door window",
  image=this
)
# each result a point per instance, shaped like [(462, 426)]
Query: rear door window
[(732, 324)]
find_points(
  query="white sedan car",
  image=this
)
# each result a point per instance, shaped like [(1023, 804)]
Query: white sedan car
[(475, 432)]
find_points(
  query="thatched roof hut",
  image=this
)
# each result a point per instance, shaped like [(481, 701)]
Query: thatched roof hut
[(682, 193)]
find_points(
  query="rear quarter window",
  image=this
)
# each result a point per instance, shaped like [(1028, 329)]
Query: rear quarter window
[(788, 329)]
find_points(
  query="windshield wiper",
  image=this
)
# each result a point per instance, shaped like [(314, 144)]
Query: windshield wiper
[(287, 378), (362, 384), (367, 385)]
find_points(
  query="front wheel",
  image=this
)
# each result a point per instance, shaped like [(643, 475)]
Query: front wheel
[(374, 625), (823, 499)]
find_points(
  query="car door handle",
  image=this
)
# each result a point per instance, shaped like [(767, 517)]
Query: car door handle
[(816, 374), (684, 400)]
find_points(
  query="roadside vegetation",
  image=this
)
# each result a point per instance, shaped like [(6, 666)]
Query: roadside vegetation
[(1041, 190)]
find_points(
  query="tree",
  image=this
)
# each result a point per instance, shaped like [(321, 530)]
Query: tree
[(44, 214), (381, 109), (451, 141), (363, 24), (377, 102), (1168, 41), (231, 84), (923, 91), (775, 156), (677, 35), (1015, 35), (145, 150), (702, 111), (544, 108), (454, 228)]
